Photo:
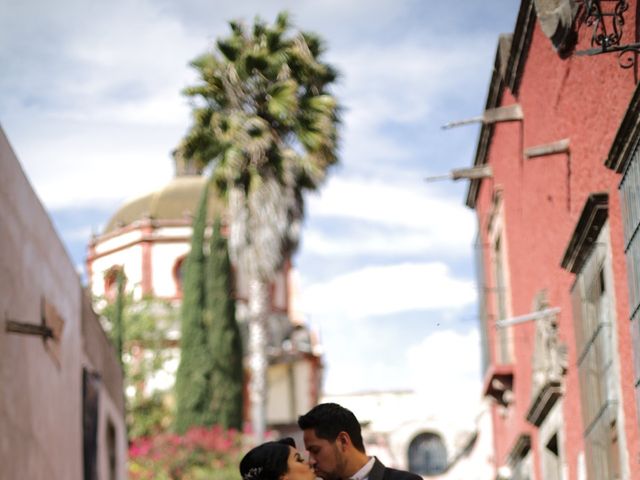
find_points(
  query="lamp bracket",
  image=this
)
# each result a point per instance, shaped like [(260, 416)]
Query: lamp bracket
[(606, 19)]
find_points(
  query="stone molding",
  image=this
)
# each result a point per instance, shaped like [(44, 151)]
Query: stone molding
[(584, 237), (627, 136)]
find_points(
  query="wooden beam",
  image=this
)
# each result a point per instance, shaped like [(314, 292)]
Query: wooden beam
[(482, 171), (561, 146), (507, 113)]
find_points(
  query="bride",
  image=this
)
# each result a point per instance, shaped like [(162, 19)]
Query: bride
[(277, 460)]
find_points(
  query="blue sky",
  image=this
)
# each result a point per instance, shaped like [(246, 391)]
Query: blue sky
[(90, 100)]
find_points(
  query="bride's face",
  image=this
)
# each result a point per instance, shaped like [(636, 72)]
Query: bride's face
[(299, 469)]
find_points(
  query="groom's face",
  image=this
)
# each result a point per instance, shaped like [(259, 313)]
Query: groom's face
[(325, 457)]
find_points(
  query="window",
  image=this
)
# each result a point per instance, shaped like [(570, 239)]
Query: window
[(178, 274), (551, 460), (482, 302), (499, 270), (504, 355), (594, 322), (111, 282), (90, 397), (427, 455), (630, 200), (112, 457), (550, 443)]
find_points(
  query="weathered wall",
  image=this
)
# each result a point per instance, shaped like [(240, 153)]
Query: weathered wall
[(99, 357), (40, 394)]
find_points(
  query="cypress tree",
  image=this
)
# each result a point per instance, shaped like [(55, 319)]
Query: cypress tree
[(224, 338), (193, 389)]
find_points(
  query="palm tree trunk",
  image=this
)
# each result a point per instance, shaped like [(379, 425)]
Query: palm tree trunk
[(257, 345)]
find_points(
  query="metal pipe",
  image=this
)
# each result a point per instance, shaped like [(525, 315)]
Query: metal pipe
[(527, 317)]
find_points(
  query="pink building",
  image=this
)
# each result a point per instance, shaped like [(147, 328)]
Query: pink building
[(557, 197)]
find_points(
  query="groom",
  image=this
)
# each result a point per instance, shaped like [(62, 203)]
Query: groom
[(333, 439)]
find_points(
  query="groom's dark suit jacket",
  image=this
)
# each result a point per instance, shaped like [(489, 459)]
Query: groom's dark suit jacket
[(380, 472)]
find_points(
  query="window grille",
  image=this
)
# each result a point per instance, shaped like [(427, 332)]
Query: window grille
[(630, 193), (593, 320), (630, 201)]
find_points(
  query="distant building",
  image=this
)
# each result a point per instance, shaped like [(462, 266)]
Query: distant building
[(437, 445), (149, 238), (61, 399), (558, 209)]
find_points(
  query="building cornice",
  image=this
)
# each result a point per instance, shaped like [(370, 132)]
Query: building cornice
[(139, 225), (593, 216), (627, 136), (142, 240), (507, 72), (543, 401), (520, 448), (522, 34), (494, 96)]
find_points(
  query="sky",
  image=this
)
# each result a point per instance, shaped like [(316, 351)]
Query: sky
[(90, 101)]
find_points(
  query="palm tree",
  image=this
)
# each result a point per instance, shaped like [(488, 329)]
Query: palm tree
[(266, 123)]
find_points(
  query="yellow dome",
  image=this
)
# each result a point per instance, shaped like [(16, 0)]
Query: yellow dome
[(176, 201)]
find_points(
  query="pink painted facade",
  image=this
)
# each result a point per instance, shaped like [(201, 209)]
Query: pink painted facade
[(546, 168)]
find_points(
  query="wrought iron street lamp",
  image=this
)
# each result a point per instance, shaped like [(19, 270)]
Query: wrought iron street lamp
[(606, 18)]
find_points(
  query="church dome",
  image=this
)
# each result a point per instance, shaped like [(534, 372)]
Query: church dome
[(177, 200)]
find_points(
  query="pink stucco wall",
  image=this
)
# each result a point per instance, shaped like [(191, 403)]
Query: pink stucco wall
[(582, 99)]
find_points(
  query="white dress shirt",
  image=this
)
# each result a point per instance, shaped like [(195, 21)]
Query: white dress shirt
[(363, 473)]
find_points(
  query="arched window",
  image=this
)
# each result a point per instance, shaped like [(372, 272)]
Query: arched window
[(427, 455), (111, 282), (178, 274)]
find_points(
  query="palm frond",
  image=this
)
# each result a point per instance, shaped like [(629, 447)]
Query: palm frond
[(283, 21), (314, 44), (264, 118), (259, 27), (282, 101)]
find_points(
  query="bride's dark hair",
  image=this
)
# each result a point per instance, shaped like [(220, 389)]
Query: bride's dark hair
[(268, 461)]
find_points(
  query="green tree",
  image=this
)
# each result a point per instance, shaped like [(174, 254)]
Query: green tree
[(265, 120), (225, 341), (143, 328), (192, 387)]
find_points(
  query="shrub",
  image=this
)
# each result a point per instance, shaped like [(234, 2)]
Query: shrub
[(201, 453)]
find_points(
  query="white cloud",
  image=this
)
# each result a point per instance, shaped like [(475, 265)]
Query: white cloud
[(445, 369), (403, 79), (337, 244), (385, 290), (107, 106), (99, 169), (415, 219), (405, 205)]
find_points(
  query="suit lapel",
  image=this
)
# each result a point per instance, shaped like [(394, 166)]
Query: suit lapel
[(377, 472)]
